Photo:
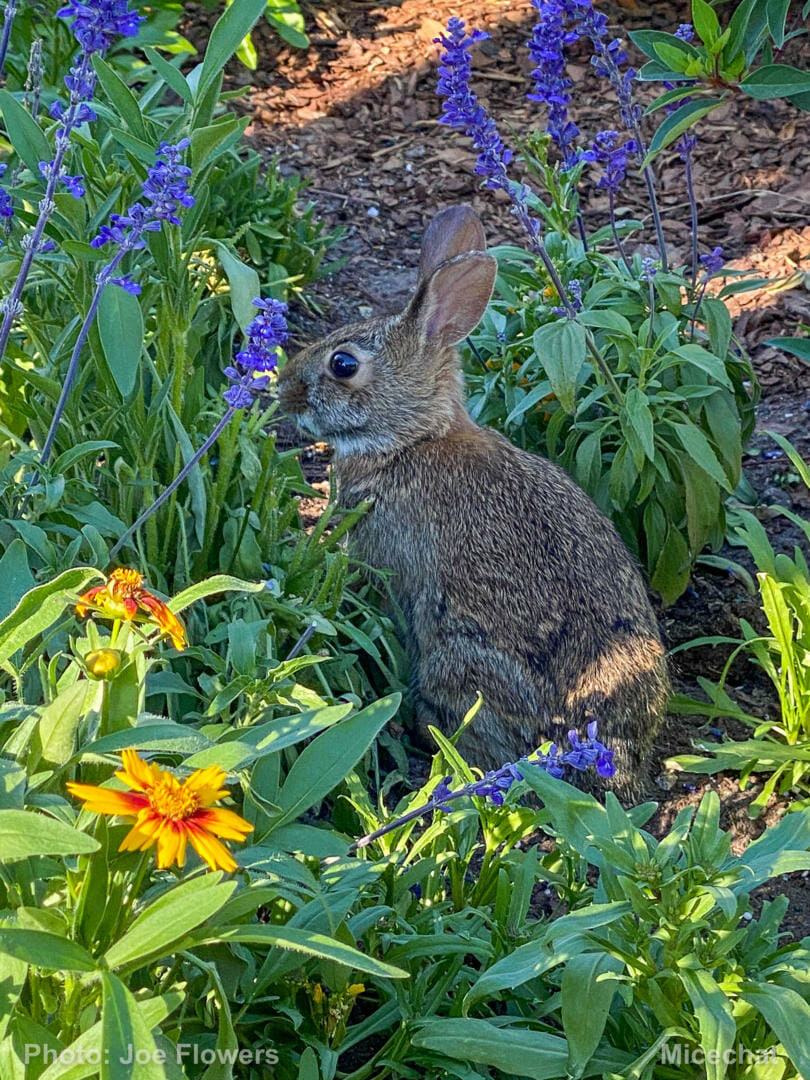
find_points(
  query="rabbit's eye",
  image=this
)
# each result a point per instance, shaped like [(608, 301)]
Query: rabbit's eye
[(343, 365)]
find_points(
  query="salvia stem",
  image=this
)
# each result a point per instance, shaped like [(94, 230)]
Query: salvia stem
[(616, 237), (698, 302), (101, 283), (649, 179), (178, 480), (651, 330), (693, 213)]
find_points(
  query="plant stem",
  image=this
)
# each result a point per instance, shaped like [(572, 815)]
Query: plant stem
[(651, 330), (178, 480), (101, 283), (540, 249), (698, 302), (693, 211), (649, 178), (616, 237)]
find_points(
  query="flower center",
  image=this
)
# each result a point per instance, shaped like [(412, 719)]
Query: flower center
[(124, 583), (173, 800)]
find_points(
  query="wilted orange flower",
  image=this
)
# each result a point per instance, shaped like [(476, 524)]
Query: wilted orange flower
[(169, 812), (123, 597)]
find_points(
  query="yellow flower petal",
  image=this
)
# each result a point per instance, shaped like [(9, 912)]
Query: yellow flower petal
[(99, 800), (135, 840), (210, 849), (136, 773), (223, 822)]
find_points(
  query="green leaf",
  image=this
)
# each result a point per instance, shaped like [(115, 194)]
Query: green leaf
[(718, 1028), (170, 74), (260, 739), (76, 453), (231, 28), (775, 81), (560, 347), (121, 98), (707, 25), (59, 721), (516, 1051), (673, 56), (286, 18), (244, 283), (737, 30), (166, 737), (195, 479), (699, 448), (788, 1014), (673, 567), (680, 121), (716, 316), (15, 576), (330, 758), (43, 950), (307, 943), (640, 417), (207, 143), (528, 401), (586, 1000), (123, 1030), (24, 833), (39, 608), (777, 17), (210, 587), (87, 1046), (308, 1066), (646, 40), (24, 133), (120, 327), (704, 506), (169, 918), (796, 346)]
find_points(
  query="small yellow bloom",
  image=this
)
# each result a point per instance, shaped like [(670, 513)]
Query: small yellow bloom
[(356, 989), (124, 597), (317, 994), (169, 812), (102, 662)]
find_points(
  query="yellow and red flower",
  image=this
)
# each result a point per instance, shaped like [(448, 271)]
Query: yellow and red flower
[(169, 812), (123, 596)]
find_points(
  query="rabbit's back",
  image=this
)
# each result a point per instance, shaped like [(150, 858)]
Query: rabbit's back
[(513, 583)]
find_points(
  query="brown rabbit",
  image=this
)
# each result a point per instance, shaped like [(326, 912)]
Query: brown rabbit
[(511, 581)]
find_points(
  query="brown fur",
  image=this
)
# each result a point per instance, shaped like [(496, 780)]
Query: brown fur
[(511, 580)]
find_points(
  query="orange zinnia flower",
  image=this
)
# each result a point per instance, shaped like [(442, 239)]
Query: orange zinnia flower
[(124, 597), (169, 812)]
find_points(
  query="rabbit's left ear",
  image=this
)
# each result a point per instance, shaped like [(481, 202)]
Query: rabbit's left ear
[(449, 305), (452, 232)]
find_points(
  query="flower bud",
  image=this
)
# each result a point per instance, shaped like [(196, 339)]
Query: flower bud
[(101, 663)]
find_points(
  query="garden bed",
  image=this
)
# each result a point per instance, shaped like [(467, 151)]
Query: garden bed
[(356, 115)]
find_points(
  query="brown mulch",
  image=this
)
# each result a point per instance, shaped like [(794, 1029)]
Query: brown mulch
[(356, 115)]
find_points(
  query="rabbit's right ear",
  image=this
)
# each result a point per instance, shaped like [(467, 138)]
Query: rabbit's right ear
[(452, 232), (449, 305)]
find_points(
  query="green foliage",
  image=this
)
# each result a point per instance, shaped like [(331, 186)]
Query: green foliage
[(661, 459), (778, 747), (742, 58), (423, 953)]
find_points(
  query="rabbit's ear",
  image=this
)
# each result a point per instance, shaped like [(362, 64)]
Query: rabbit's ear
[(449, 305), (452, 232)]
